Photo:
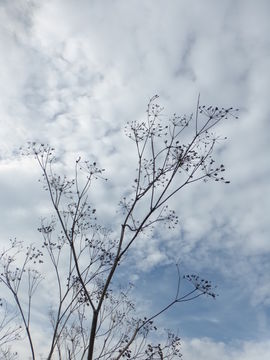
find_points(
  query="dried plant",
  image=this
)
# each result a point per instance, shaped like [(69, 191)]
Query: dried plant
[(90, 316)]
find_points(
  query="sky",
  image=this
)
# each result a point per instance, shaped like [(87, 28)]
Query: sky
[(74, 72)]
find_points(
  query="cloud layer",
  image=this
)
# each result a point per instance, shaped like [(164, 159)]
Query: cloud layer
[(72, 74)]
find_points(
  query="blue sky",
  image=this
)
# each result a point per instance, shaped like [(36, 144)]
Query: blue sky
[(74, 72)]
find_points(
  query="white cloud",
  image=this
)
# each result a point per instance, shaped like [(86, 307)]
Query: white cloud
[(73, 72), (207, 349)]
